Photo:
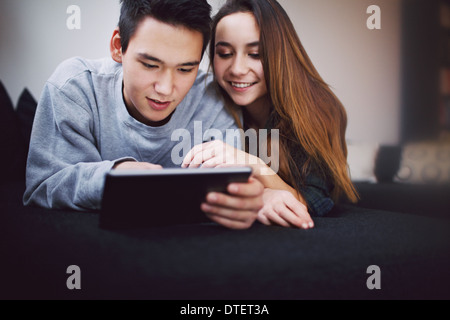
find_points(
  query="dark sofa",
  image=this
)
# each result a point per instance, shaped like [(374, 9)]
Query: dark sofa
[(209, 262), (392, 194), (206, 261)]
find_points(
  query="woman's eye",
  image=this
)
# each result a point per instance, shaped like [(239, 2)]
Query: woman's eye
[(255, 55), (224, 55)]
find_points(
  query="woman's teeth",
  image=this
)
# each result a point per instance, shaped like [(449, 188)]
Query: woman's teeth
[(241, 85)]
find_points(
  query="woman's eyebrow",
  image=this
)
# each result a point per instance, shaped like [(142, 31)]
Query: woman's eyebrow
[(226, 44), (253, 44), (223, 44)]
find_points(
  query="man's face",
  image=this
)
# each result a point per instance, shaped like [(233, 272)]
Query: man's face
[(159, 68)]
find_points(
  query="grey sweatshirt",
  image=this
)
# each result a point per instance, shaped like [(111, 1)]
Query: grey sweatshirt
[(82, 129)]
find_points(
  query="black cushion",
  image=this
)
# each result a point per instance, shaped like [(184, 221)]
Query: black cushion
[(5, 100), (26, 109), (12, 144), (387, 163)]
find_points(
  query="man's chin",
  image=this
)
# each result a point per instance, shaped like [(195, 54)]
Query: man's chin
[(158, 121)]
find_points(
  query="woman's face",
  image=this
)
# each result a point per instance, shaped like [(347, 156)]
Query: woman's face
[(237, 65)]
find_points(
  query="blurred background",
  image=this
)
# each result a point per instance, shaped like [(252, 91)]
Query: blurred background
[(391, 80)]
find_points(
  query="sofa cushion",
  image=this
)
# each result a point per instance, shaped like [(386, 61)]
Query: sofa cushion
[(5, 100), (388, 163), (26, 109), (11, 141), (425, 163), (361, 161)]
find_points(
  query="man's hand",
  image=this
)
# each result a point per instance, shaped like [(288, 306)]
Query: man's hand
[(282, 208), (132, 165), (238, 209)]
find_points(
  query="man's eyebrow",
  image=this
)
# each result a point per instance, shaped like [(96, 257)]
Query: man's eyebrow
[(226, 44), (190, 64), (151, 58)]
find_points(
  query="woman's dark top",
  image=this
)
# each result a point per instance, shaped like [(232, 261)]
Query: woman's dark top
[(314, 186)]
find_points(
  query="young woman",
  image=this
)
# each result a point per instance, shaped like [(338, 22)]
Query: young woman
[(260, 65)]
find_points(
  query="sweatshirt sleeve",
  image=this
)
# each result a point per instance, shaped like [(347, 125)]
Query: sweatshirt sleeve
[(64, 168)]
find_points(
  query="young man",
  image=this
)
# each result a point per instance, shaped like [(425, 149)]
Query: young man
[(120, 113)]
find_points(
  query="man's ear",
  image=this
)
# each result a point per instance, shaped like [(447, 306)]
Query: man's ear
[(116, 46)]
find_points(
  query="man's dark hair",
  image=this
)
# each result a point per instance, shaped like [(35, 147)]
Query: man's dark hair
[(192, 14)]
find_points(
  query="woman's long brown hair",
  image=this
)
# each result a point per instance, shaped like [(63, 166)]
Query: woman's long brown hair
[(307, 111)]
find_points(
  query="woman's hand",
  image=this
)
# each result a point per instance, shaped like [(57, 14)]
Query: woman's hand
[(282, 208), (239, 208), (216, 154)]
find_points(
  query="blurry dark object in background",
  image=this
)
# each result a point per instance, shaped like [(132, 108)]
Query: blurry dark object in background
[(422, 60)]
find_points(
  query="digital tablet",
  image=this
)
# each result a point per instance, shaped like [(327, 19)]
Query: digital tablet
[(153, 198)]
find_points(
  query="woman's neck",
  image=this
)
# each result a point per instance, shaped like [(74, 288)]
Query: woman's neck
[(258, 112)]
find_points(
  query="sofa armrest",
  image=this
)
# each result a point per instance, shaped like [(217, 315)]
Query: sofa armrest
[(429, 200)]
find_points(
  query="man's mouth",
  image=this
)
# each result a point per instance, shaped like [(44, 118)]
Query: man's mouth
[(158, 105)]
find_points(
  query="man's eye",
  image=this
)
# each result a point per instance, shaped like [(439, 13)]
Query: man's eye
[(149, 66), (186, 70)]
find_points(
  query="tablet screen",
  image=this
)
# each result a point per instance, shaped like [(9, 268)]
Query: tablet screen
[(153, 198)]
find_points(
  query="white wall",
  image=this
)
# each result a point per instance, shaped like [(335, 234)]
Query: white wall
[(361, 65), (34, 38)]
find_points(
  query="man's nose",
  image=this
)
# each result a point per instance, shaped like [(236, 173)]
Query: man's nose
[(164, 84)]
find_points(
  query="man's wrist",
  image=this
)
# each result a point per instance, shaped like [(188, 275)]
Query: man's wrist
[(122, 161)]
